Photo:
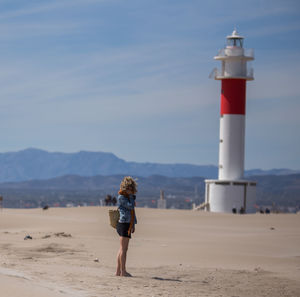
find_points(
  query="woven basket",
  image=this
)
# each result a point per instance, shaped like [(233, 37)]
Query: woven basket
[(114, 216)]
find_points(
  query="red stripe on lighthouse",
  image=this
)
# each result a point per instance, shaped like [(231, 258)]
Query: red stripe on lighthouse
[(233, 96)]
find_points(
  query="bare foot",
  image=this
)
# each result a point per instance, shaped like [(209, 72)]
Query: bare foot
[(118, 273), (126, 274)]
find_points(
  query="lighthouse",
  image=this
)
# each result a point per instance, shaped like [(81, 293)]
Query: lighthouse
[(231, 192)]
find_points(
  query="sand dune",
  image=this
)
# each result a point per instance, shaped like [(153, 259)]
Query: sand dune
[(173, 253)]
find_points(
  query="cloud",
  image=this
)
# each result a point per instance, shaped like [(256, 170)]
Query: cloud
[(276, 75), (32, 9), (274, 29), (124, 72), (24, 30)]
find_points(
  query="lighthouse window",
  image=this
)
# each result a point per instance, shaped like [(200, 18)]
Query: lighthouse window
[(238, 42), (239, 184)]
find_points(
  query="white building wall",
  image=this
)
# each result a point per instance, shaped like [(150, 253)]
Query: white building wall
[(223, 196), (251, 198), (236, 68), (162, 204)]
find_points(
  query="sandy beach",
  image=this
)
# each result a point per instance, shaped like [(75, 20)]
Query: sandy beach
[(172, 253)]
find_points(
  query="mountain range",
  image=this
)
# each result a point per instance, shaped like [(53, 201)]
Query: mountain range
[(31, 164), (271, 189)]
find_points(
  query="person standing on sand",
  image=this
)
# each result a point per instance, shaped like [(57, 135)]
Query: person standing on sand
[(127, 221)]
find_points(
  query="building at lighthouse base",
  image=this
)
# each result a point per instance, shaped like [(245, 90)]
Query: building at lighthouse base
[(230, 196)]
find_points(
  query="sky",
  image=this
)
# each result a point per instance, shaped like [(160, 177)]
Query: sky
[(132, 78)]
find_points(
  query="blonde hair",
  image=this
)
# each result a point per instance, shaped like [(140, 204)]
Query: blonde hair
[(128, 183)]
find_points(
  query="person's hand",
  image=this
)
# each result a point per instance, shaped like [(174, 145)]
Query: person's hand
[(132, 229)]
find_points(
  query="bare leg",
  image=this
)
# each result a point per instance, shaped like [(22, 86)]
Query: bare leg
[(118, 273), (121, 268)]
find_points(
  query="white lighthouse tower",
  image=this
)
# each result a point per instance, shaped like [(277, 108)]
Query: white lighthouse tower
[(231, 192)]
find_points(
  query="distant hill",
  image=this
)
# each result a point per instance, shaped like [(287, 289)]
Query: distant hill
[(32, 164), (282, 190), (38, 164), (150, 185), (79, 190), (279, 171)]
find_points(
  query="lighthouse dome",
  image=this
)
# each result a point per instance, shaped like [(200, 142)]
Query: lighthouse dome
[(235, 34)]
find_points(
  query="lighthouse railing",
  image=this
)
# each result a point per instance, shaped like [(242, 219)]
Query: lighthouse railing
[(249, 52), (221, 52), (250, 72), (219, 74)]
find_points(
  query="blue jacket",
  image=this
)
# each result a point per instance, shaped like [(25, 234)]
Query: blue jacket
[(125, 206)]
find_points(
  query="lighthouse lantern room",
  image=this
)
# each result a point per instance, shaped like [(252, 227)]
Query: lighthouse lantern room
[(231, 192)]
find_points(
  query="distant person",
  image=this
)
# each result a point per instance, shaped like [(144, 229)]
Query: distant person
[(114, 201), (268, 211), (242, 210), (127, 221), (234, 210), (107, 200)]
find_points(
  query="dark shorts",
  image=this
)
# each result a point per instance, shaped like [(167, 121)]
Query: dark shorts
[(122, 229)]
